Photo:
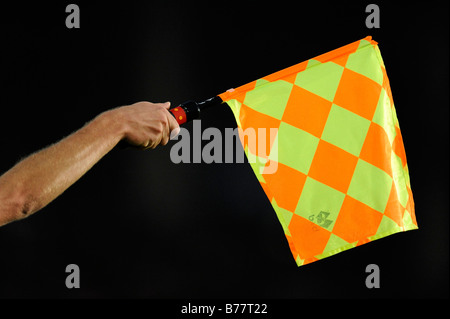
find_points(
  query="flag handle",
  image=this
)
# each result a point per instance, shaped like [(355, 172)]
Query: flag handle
[(190, 110)]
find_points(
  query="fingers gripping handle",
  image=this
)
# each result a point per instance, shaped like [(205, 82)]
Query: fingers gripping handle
[(187, 111)]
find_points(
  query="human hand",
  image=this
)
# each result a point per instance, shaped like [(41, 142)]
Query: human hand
[(146, 125)]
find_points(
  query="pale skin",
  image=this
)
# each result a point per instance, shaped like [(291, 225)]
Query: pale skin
[(41, 177)]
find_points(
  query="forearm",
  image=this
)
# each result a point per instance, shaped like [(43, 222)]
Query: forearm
[(40, 178), (43, 176)]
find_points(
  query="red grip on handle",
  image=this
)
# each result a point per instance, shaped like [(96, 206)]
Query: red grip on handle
[(179, 114)]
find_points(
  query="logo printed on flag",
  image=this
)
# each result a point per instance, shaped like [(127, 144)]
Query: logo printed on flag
[(322, 219), (342, 179)]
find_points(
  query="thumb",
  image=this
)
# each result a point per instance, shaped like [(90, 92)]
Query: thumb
[(166, 105)]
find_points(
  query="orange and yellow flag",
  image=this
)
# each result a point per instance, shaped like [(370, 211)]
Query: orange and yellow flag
[(342, 178)]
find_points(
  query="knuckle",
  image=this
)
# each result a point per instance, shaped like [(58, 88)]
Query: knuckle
[(163, 121), (158, 129)]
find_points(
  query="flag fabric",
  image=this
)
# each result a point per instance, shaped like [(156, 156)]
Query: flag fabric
[(341, 177)]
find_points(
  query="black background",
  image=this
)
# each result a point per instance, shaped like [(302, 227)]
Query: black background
[(139, 226)]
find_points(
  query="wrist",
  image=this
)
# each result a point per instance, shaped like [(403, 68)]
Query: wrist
[(112, 122)]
